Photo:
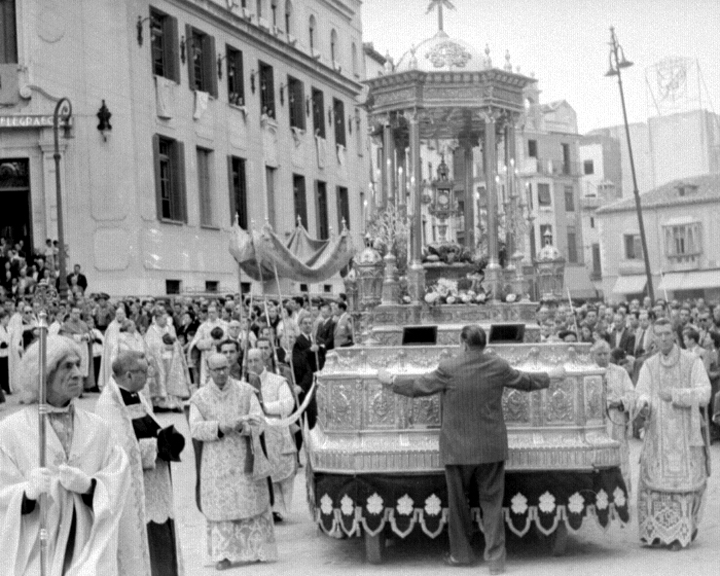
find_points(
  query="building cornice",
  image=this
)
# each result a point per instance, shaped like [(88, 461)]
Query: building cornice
[(245, 31), (339, 7), (674, 205)]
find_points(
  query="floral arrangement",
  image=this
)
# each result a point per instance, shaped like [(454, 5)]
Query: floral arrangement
[(446, 291), (448, 253)]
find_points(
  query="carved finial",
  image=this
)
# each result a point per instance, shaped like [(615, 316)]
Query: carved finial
[(517, 69), (508, 66), (389, 67), (487, 61), (237, 219), (439, 4), (299, 221), (413, 62), (343, 224)]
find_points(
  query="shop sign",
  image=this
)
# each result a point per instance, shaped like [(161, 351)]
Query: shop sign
[(27, 121)]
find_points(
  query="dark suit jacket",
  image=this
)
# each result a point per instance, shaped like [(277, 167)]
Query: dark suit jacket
[(81, 281), (471, 388), (627, 341), (304, 362), (326, 334)]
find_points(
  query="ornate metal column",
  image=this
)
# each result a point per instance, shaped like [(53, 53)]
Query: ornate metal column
[(416, 272), (469, 196), (493, 270), (388, 162)]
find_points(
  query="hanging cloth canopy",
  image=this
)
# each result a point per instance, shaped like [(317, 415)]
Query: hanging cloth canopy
[(300, 259)]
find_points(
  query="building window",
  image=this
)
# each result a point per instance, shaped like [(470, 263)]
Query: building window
[(333, 47), (530, 199), (288, 17), (300, 199), (259, 8), (592, 222), (173, 287), (321, 207), (238, 191), (205, 187), (169, 156), (588, 167), (164, 45), (273, 8), (546, 236), (312, 29), (270, 183), (633, 247), (359, 135), (235, 76), (532, 148), (296, 103), (339, 119), (566, 159), (8, 33), (544, 196), (267, 89), (569, 199), (683, 240), (212, 286), (318, 112), (343, 207), (597, 266), (572, 251), (202, 67), (354, 56)]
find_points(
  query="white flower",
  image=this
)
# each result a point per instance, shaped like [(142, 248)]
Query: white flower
[(576, 503), (451, 299), (619, 497), (466, 298), (406, 299), (471, 293), (510, 298), (519, 504), (547, 503), (481, 297), (375, 504), (346, 505), (405, 505), (432, 505), (601, 500), (430, 297), (326, 505)]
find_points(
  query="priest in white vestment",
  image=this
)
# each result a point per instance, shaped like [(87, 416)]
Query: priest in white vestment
[(233, 493), (277, 403), (673, 386), (86, 477), (150, 448), (110, 346), (204, 341)]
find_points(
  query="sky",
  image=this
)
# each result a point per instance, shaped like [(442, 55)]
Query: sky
[(565, 44)]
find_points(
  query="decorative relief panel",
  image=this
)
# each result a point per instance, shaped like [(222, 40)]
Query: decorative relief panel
[(342, 405), (379, 406), (516, 406), (448, 54), (594, 398), (453, 93), (425, 412), (559, 405), (395, 96)]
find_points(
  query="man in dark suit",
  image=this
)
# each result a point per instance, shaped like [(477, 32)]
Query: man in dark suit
[(326, 327), (621, 336), (306, 356), (473, 436), (81, 280)]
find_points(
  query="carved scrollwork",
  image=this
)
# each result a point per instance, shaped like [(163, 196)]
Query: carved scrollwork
[(426, 411), (594, 398), (516, 406), (342, 402), (381, 405)]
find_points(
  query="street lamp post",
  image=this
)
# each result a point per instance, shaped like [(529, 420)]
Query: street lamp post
[(618, 62), (63, 111)]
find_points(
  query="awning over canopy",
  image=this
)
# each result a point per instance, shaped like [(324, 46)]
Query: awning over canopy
[(633, 284), (300, 259), (691, 280)]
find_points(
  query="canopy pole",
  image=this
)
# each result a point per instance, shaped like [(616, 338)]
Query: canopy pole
[(42, 438)]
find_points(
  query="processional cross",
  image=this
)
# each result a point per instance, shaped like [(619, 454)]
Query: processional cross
[(439, 5)]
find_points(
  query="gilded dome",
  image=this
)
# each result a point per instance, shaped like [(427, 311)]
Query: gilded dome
[(442, 54)]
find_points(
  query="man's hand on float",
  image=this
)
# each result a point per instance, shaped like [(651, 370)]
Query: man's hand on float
[(557, 373), (385, 377)]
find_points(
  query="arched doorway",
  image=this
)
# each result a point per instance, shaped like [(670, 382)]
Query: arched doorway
[(15, 220)]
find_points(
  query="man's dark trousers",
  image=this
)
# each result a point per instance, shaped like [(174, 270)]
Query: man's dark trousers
[(491, 488)]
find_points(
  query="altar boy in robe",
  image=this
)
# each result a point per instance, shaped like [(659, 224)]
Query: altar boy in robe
[(150, 450)]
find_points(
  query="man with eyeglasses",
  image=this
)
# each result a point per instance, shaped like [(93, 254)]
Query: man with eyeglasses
[(154, 551), (232, 491)]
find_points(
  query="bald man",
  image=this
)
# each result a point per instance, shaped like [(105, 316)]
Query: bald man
[(232, 492)]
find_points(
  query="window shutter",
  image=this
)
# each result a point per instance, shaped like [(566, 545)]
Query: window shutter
[(231, 190), (158, 185), (189, 56), (210, 64), (172, 57), (181, 192)]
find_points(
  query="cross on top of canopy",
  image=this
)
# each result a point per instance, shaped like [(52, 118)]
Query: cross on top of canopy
[(300, 258)]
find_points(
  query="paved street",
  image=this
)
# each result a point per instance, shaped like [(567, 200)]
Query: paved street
[(304, 551)]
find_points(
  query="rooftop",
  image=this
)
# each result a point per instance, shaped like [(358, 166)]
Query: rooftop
[(693, 190)]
